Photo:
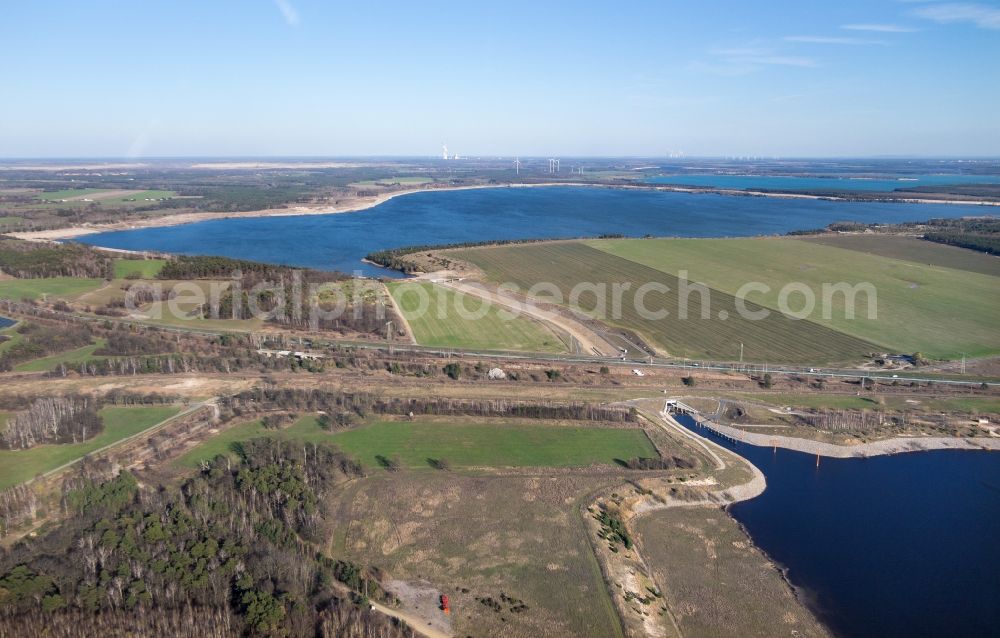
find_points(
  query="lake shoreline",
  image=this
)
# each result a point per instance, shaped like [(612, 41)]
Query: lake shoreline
[(885, 447), (366, 203)]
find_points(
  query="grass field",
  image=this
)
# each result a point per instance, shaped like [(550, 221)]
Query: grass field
[(78, 355), (119, 423), (477, 536), (938, 311), (69, 192), (915, 250), (141, 268), (462, 444), (10, 220), (64, 287), (565, 264), (442, 325)]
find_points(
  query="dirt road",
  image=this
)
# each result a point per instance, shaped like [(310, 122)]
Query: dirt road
[(418, 624)]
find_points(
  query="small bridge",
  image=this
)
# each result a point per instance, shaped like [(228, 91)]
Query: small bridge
[(674, 406)]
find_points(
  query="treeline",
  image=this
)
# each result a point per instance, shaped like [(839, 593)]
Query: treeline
[(240, 545), (364, 404), (853, 420), (52, 420), (210, 267), (34, 260), (120, 343), (975, 233), (983, 243), (170, 364), (285, 303), (659, 463)]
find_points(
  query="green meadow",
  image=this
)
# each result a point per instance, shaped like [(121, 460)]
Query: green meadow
[(64, 287), (461, 444), (138, 268), (17, 466)]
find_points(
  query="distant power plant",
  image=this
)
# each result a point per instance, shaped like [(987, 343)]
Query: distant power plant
[(553, 166)]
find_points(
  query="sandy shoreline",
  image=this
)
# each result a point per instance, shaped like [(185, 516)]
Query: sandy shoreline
[(365, 203), (884, 447)]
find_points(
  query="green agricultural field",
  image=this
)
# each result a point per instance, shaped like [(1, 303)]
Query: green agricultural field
[(915, 250), (940, 312), (78, 355), (10, 221), (566, 264), (140, 268), (62, 287), (462, 444), (17, 466), (442, 325)]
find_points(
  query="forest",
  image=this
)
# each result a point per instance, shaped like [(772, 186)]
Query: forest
[(33, 260), (52, 420), (236, 550)]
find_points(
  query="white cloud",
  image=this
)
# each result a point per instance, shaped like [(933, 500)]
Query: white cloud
[(879, 28), (746, 60), (822, 39), (757, 56), (978, 14), (288, 12)]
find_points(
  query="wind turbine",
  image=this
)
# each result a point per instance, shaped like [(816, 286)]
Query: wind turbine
[(517, 166)]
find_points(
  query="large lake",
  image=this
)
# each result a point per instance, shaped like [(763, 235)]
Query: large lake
[(904, 545), (339, 242)]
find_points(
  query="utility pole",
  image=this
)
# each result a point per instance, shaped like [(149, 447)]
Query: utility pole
[(741, 353), (963, 363), (388, 334)]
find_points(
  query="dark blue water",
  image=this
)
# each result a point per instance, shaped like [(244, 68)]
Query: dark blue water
[(811, 183), (904, 545), (339, 242), (6, 323)]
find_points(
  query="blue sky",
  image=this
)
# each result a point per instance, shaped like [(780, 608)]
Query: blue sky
[(311, 77)]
